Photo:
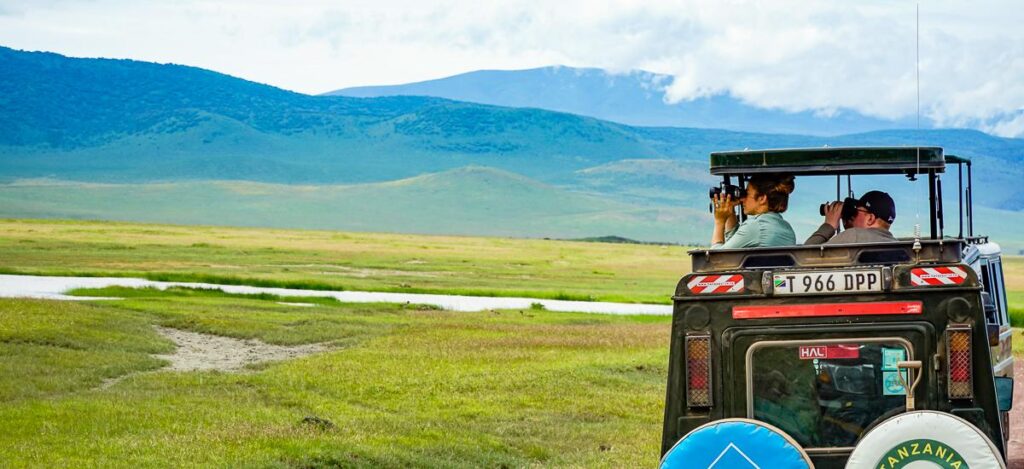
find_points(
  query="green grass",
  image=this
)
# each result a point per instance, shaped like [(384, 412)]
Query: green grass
[(1016, 307), (345, 261), (403, 386), (327, 260), (178, 292), (474, 200)]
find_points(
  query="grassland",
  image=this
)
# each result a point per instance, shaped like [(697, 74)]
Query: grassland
[(345, 260), (364, 261), (477, 200), (402, 387)]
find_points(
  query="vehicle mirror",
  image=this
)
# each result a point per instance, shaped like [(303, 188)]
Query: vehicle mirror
[(993, 334), (1004, 393), (989, 307), (987, 301)]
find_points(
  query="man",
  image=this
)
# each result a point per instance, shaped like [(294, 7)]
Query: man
[(876, 212)]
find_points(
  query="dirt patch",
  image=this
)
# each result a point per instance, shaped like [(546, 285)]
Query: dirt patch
[(1015, 449), (211, 352)]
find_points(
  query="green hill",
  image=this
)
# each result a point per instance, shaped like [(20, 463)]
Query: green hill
[(171, 143), (476, 200), (130, 121), (123, 120)]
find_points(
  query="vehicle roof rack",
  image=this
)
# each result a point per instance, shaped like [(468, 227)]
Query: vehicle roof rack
[(829, 160), (943, 251), (954, 159)]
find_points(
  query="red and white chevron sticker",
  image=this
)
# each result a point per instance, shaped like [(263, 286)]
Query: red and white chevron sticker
[(936, 276), (704, 284)]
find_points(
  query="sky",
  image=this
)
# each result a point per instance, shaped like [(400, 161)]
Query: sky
[(789, 55)]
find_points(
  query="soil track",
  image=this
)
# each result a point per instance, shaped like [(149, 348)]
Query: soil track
[(210, 352), (1016, 446)]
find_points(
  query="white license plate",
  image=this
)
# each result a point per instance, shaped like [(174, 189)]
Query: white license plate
[(837, 281)]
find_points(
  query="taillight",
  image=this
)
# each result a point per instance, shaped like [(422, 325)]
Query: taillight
[(698, 370), (958, 355)]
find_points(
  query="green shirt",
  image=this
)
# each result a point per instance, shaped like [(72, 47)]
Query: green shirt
[(766, 229)]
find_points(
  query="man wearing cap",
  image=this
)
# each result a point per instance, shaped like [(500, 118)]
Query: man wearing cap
[(876, 212)]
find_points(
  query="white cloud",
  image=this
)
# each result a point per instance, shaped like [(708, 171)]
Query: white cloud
[(787, 54)]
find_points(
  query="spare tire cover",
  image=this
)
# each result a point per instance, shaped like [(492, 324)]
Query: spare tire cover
[(736, 443), (925, 439)]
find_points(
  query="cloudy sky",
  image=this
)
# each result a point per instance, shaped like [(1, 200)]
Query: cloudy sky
[(792, 55)]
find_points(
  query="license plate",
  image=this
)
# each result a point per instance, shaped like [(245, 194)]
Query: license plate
[(827, 282)]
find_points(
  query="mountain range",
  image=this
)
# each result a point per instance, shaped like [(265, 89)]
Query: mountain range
[(635, 98), (99, 130)]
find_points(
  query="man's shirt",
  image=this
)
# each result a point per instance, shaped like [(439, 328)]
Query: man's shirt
[(826, 234)]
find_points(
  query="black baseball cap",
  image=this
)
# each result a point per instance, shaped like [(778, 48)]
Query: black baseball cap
[(879, 204)]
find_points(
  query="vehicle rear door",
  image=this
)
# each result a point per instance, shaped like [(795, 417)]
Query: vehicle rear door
[(826, 384)]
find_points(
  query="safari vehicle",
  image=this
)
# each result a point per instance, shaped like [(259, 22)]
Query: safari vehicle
[(821, 342)]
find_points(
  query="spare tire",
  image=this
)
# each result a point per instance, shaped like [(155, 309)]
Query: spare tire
[(736, 443), (925, 438)]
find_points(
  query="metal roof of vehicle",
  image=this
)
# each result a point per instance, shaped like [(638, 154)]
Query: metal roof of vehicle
[(829, 160)]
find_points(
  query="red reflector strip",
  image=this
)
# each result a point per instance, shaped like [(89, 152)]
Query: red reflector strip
[(827, 309), (937, 276), (705, 284)]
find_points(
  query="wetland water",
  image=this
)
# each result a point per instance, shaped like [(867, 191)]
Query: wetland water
[(54, 288)]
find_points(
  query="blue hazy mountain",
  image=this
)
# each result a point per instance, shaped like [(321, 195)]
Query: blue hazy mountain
[(124, 121), (634, 98)]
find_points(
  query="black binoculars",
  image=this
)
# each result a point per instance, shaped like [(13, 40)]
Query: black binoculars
[(736, 192), (849, 208)]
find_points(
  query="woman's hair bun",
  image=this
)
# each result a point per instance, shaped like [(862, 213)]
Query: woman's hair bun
[(786, 184), (776, 187)]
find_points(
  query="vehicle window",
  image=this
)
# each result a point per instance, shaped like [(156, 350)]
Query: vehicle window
[(826, 395), (1000, 298), (986, 279), (988, 283)]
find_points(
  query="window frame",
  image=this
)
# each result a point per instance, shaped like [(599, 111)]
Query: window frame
[(993, 283), (749, 373), (996, 270)]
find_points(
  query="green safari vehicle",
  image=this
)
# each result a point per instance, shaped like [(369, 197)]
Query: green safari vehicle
[(822, 342)]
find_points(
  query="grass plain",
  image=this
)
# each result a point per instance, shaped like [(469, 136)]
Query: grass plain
[(345, 260), (308, 259), (401, 386)]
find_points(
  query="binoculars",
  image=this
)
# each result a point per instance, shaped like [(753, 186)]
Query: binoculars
[(736, 192), (849, 208)]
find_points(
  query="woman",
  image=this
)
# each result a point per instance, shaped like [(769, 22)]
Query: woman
[(767, 197)]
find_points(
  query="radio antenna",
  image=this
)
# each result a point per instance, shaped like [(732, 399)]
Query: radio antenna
[(917, 49), (917, 70)]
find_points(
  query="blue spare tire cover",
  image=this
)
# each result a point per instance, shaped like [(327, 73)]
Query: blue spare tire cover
[(736, 443)]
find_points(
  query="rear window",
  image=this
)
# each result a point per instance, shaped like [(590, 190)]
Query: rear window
[(825, 394)]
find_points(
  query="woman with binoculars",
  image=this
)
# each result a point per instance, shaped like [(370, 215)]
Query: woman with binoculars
[(766, 197)]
